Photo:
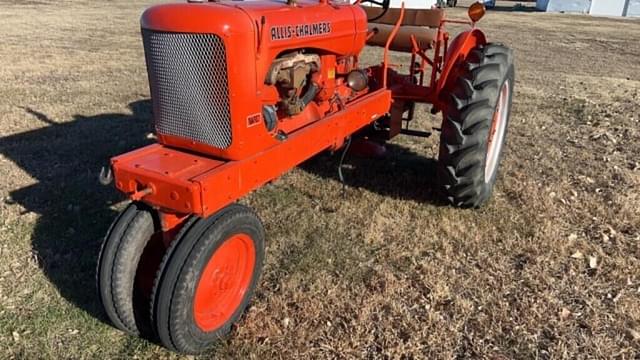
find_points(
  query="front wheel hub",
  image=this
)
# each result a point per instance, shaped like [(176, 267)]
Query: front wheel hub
[(224, 282)]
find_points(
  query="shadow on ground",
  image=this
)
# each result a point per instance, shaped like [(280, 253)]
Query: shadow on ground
[(65, 159), (401, 173)]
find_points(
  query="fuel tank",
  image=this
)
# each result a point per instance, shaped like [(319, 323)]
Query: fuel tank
[(207, 63)]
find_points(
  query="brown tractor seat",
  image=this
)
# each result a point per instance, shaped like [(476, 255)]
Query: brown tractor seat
[(402, 42), (421, 23)]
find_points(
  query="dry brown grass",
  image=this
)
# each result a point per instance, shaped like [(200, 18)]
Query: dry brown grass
[(384, 272)]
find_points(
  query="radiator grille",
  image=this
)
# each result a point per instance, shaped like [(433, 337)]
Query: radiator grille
[(189, 88)]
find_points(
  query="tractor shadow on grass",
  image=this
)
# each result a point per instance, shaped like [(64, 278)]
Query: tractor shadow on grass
[(401, 173), (75, 211), (64, 159)]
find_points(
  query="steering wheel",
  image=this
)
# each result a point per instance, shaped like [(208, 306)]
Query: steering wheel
[(384, 4)]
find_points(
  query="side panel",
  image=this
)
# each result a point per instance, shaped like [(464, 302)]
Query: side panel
[(185, 183), (316, 27), (235, 179), (569, 6), (608, 7)]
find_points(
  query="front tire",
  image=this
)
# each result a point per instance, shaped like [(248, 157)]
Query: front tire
[(475, 124), (207, 279), (121, 253)]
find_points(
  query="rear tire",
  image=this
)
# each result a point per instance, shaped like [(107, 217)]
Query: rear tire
[(207, 279), (474, 125)]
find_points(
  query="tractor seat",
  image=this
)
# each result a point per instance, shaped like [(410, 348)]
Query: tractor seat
[(421, 23), (402, 42)]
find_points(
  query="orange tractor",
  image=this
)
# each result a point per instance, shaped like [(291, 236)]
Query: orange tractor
[(243, 91)]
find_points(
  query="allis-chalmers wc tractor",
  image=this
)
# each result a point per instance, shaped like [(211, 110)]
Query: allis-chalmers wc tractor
[(243, 91)]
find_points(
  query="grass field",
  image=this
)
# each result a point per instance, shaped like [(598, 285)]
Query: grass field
[(549, 269)]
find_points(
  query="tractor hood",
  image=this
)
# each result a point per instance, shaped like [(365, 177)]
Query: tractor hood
[(209, 60), (200, 17), (219, 18), (308, 23)]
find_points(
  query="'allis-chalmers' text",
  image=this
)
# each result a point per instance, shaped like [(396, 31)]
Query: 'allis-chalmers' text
[(299, 31)]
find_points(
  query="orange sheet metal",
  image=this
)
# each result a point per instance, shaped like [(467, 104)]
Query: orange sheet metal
[(184, 182), (233, 180), (167, 172)]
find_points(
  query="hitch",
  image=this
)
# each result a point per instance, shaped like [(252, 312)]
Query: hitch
[(138, 195), (106, 177)]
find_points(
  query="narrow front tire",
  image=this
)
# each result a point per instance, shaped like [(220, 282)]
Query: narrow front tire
[(121, 253), (207, 279)]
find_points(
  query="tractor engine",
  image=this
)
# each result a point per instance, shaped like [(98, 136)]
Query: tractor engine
[(231, 79), (290, 74)]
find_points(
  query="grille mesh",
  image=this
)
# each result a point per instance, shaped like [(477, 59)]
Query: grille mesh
[(189, 89)]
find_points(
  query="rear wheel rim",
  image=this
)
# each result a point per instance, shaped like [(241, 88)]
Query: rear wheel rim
[(224, 282), (497, 132)]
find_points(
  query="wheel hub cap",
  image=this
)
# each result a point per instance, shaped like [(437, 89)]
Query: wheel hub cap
[(224, 282)]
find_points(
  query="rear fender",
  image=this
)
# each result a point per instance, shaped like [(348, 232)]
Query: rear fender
[(457, 52)]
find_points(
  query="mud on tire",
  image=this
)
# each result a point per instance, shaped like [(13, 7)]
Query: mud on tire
[(474, 125)]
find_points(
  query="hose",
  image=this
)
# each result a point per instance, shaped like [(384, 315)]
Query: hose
[(311, 93)]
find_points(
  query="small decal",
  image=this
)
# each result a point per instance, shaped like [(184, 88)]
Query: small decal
[(253, 119), (331, 74), (284, 32)]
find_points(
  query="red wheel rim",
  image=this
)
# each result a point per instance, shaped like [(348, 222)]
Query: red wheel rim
[(224, 282)]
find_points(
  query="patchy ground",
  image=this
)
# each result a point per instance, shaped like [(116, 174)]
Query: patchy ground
[(550, 268)]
